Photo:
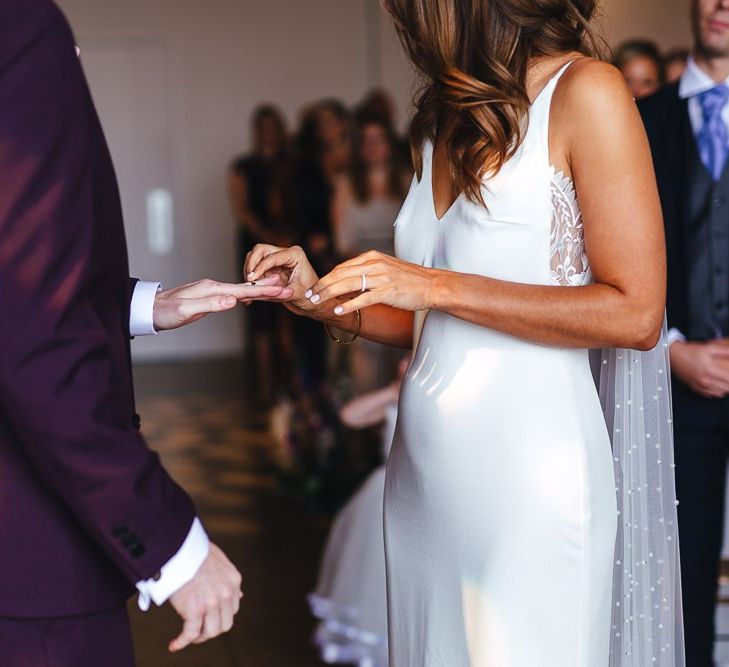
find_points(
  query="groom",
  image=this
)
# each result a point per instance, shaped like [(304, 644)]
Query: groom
[(86, 510)]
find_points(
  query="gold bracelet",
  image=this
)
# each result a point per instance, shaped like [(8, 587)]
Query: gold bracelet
[(339, 341)]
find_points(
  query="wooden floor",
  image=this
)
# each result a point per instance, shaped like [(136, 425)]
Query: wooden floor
[(216, 445)]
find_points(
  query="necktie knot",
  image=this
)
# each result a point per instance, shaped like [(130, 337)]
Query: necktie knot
[(713, 137), (713, 101)]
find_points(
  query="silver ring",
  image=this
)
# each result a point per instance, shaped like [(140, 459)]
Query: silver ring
[(364, 282)]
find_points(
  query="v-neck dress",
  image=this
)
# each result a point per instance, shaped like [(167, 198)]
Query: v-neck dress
[(500, 508)]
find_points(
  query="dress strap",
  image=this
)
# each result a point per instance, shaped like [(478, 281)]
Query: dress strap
[(541, 111)]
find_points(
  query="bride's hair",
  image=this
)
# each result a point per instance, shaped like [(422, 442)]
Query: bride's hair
[(474, 56)]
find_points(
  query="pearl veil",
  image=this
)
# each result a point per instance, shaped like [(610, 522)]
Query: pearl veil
[(647, 618)]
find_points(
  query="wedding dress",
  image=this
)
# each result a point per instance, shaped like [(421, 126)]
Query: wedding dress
[(504, 542)]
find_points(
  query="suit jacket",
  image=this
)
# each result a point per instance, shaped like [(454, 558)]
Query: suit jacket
[(668, 124), (86, 509), (676, 159)]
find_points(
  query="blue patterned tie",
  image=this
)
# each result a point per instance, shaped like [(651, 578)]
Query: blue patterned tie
[(713, 138)]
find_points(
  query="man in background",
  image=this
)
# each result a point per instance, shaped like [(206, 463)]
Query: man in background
[(688, 128)]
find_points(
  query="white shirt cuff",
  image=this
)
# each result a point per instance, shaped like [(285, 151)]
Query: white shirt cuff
[(141, 312), (675, 336), (178, 571)]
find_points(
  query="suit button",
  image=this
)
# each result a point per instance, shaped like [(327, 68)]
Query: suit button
[(129, 540), (157, 576), (137, 551), (719, 202), (119, 530), (137, 422)]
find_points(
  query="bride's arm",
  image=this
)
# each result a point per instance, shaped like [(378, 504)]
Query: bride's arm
[(596, 127), (380, 322)]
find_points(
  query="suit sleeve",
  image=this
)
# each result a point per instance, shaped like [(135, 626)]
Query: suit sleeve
[(56, 370)]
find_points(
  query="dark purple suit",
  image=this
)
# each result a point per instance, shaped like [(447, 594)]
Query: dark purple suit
[(86, 509)]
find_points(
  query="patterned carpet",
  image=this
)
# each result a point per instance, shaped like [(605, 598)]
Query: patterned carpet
[(218, 448)]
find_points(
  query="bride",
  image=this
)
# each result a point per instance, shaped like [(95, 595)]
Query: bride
[(532, 232)]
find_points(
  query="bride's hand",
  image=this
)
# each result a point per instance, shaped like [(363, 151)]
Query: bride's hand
[(290, 265), (388, 281)]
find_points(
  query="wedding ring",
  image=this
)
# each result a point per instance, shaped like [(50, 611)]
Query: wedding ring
[(364, 282)]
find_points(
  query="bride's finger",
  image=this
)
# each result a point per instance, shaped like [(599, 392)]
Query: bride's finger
[(359, 303), (284, 294), (348, 285), (343, 272), (256, 255), (278, 259)]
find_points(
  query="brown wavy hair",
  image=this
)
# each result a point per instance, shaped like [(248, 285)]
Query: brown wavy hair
[(474, 56)]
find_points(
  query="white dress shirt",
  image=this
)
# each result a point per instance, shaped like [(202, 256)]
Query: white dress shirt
[(694, 82), (183, 566)]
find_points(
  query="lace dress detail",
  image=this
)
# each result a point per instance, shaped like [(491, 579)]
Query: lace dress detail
[(570, 266)]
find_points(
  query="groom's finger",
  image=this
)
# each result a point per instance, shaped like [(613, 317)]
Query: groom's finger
[(191, 308), (211, 625), (209, 288), (188, 309), (256, 291), (269, 281), (190, 632), (226, 618)]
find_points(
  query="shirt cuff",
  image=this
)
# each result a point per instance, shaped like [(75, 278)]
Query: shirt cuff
[(675, 336), (141, 312), (178, 571)]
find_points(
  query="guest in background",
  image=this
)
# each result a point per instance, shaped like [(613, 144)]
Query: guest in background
[(366, 202), (674, 63), (379, 102), (641, 63), (350, 597), (688, 128), (256, 189), (324, 152), (368, 197), (323, 155)]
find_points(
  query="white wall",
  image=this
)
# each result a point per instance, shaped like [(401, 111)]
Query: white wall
[(220, 58), (665, 21), (214, 61)]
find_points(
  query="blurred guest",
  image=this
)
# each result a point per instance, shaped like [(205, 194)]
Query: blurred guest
[(323, 155), (674, 63), (688, 128), (379, 102), (368, 198), (641, 63), (366, 203), (350, 597), (255, 185)]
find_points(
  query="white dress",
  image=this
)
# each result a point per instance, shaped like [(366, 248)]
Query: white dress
[(350, 596), (500, 506)]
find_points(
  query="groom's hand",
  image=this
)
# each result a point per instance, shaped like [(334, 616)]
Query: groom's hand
[(183, 305), (208, 603)]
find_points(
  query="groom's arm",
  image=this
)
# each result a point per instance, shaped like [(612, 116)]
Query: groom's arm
[(56, 373)]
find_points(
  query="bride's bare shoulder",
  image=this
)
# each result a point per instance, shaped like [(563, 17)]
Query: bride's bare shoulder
[(590, 84), (591, 101)]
